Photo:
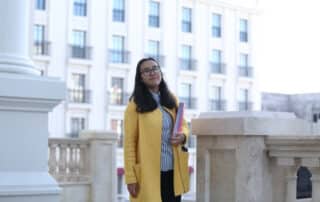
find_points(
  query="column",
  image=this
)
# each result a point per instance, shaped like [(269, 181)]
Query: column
[(315, 184), (25, 100), (291, 189), (14, 37)]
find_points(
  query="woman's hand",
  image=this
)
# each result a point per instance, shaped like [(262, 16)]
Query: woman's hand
[(133, 189), (177, 139)]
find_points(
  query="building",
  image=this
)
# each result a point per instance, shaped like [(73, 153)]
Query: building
[(205, 48)]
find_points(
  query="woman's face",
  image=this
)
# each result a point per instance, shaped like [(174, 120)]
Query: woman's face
[(150, 74)]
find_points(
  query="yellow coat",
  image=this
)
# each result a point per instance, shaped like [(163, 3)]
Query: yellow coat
[(142, 154)]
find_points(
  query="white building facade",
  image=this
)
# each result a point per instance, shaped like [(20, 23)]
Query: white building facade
[(206, 50)]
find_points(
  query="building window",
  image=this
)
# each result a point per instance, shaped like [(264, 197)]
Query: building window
[(40, 4), (243, 30), (216, 25), (186, 62), (79, 48), (117, 126), (217, 102), (118, 10), (244, 103), (77, 124), (185, 95), (153, 49), (192, 141), (118, 53), (217, 66), (186, 19), (154, 14), (41, 46), (78, 92), (244, 69), (80, 7), (117, 96)]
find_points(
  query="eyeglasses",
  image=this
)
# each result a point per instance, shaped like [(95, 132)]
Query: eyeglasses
[(149, 70)]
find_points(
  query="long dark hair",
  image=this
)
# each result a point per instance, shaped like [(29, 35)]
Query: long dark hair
[(143, 97)]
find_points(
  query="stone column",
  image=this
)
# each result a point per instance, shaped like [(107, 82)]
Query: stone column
[(232, 162), (315, 184), (14, 37), (291, 179), (102, 168), (25, 100)]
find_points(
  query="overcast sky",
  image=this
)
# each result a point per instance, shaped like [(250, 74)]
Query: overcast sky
[(290, 34)]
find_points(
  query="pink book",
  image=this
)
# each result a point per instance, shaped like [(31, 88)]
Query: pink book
[(179, 119)]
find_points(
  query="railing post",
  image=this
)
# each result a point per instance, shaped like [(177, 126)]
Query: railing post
[(102, 157)]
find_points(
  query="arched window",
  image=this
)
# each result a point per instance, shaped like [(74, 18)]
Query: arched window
[(304, 184)]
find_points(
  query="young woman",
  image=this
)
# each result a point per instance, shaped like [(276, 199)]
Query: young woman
[(156, 166)]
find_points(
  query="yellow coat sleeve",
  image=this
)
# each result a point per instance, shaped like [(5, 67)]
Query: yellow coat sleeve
[(130, 142)]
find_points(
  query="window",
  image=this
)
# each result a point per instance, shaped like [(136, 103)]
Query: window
[(39, 33), (243, 30), (216, 59), (117, 126), (78, 92), (118, 11), (244, 103), (79, 38), (244, 62), (77, 124), (154, 49), (244, 69), (244, 95), (216, 25), (186, 19), (80, 7), (79, 45), (154, 14), (185, 93), (186, 57), (117, 94), (40, 4), (41, 46), (192, 141), (118, 54), (216, 98)]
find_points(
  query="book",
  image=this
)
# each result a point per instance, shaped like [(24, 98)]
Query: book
[(179, 119)]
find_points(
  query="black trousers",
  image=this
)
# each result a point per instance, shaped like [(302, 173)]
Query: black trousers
[(167, 193)]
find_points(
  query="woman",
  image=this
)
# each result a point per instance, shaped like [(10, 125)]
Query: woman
[(156, 166)]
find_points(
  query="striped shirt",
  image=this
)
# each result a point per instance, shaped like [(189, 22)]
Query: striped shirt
[(166, 148)]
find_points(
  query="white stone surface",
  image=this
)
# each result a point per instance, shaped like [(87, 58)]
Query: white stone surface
[(253, 157)]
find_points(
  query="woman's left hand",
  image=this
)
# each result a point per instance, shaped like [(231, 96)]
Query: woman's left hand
[(177, 139)]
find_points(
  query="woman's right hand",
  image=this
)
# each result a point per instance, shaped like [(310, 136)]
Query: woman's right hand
[(133, 189)]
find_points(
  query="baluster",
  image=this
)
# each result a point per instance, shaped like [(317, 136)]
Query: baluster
[(52, 159), (63, 161), (72, 161)]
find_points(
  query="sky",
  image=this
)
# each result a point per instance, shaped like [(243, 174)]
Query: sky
[(289, 43)]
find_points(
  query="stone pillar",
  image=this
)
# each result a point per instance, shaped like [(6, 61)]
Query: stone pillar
[(14, 37), (102, 157), (291, 188), (232, 162), (315, 184), (25, 100)]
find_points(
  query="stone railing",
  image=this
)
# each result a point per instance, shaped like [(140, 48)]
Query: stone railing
[(254, 156), (85, 167)]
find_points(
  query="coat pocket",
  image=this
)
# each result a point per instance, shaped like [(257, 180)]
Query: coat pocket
[(184, 169), (137, 172)]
